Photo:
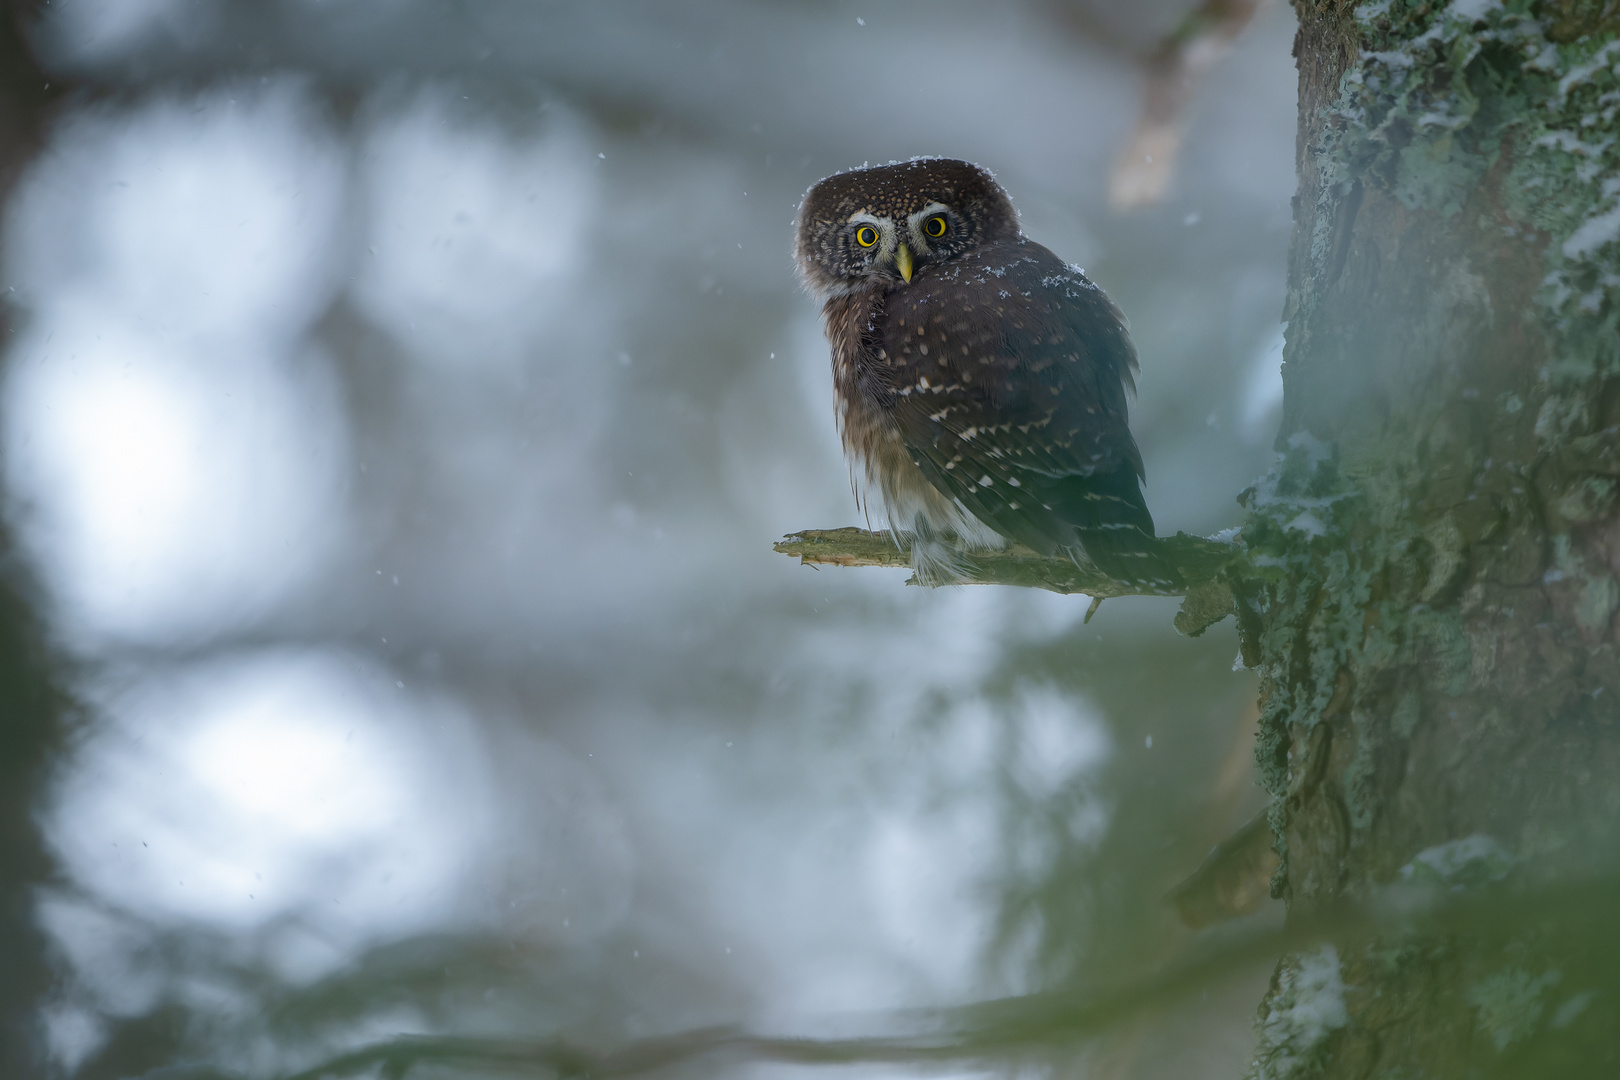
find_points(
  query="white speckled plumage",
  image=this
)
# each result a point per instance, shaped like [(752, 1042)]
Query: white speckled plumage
[(981, 381)]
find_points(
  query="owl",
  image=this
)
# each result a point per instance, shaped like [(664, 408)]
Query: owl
[(981, 381)]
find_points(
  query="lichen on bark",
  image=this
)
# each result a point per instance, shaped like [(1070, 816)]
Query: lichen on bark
[(1431, 591)]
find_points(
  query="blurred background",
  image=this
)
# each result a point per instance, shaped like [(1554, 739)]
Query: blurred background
[(399, 404)]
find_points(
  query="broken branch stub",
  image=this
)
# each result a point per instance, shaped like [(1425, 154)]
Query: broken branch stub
[(1200, 560)]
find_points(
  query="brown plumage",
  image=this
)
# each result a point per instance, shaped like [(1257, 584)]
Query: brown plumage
[(981, 381)]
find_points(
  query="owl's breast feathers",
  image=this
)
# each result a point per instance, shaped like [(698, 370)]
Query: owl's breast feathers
[(1003, 374)]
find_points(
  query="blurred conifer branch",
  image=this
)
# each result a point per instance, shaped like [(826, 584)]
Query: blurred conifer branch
[(1173, 71), (1000, 1030)]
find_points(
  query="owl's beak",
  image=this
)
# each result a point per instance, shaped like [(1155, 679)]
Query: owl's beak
[(902, 261)]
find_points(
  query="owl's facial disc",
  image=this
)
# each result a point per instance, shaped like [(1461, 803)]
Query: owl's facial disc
[(893, 250)]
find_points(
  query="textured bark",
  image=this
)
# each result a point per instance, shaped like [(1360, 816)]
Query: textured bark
[(1431, 593)]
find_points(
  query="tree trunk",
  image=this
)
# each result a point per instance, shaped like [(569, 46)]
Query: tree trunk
[(1431, 597)]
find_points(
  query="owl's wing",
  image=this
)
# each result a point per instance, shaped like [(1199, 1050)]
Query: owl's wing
[(1008, 376)]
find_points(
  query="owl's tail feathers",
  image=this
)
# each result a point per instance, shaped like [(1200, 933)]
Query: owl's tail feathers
[(1115, 529), (1127, 553)]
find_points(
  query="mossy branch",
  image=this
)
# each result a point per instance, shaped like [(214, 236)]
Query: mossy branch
[(1202, 562)]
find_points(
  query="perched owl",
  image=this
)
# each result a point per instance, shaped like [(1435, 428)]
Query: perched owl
[(981, 380)]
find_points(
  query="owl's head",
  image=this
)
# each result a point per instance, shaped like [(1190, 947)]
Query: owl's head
[(879, 226)]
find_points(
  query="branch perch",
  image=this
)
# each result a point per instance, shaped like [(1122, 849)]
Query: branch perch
[(1201, 561)]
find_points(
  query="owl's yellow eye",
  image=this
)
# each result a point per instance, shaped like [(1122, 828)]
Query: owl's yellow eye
[(866, 236), (935, 226)]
